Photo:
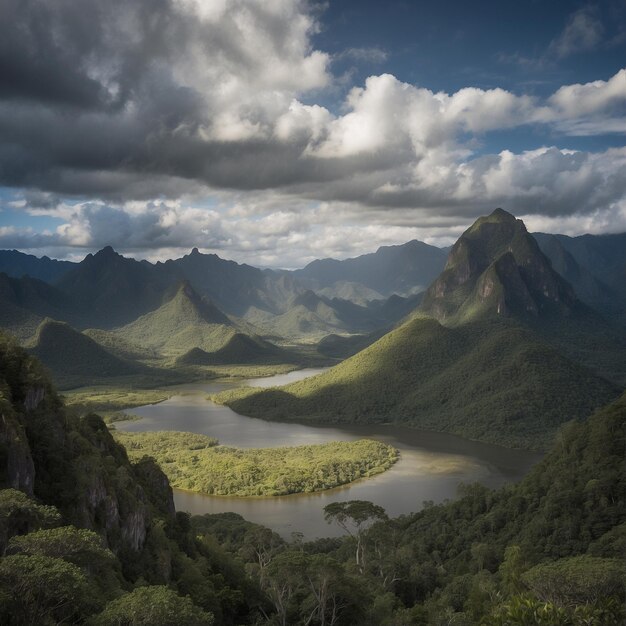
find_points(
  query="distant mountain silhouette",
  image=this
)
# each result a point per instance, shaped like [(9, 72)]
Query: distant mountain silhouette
[(18, 264), (595, 265), (401, 269), (112, 289)]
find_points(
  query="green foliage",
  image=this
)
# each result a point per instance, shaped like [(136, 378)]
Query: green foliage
[(152, 606), (511, 570), (494, 381), (312, 589), (236, 534), (482, 558), (43, 590), (545, 551), (79, 546), (20, 514), (528, 611), (81, 477), (354, 516), (110, 402), (354, 513), (195, 462), (159, 443), (577, 580)]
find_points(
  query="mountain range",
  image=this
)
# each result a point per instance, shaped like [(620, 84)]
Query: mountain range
[(107, 290), (403, 269), (562, 296), (473, 360)]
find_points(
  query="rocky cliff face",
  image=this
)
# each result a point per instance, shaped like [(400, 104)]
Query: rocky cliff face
[(497, 268), (73, 464), (17, 469)]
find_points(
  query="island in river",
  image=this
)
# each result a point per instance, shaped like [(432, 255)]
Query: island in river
[(430, 467), (197, 463)]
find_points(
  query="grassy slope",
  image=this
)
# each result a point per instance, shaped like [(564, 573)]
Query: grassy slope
[(118, 346), (239, 348), (494, 381), (183, 323), (195, 462), (76, 360)]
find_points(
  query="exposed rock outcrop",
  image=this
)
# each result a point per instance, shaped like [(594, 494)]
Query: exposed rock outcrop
[(73, 464), (497, 268)]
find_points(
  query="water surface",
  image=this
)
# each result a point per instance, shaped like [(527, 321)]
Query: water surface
[(431, 465)]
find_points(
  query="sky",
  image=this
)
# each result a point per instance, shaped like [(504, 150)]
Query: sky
[(274, 132)]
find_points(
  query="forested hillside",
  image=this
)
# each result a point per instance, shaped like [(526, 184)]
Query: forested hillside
[(546, 551), (500, 349), (83, 531), (493, 381), (87, 535)]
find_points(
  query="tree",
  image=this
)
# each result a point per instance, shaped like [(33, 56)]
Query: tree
[(511, 570), (260, 545), (79, 546), (354, 516), (331, 590), (83, 548), (152, 606), (20, 514), (387, 557), (285, 574), (42, 590), (577, 580)]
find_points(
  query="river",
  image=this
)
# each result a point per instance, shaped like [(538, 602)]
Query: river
[(431, 465)]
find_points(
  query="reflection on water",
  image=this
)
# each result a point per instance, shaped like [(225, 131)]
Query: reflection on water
[(284, 379), (430, 467)]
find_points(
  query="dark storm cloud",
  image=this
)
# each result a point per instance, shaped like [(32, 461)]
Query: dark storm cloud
[(122, 100), (91, 86)]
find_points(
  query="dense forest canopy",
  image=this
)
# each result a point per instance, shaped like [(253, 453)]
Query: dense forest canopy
[(197, 463), (87, 535)]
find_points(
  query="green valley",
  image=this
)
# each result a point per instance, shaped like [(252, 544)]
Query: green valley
[(499, 349), (312, 313)]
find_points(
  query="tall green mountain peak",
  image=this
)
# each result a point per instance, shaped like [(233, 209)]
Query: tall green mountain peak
[(496, 268)]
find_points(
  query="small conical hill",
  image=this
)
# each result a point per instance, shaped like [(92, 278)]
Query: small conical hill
[(184, 322), (239, 349), (68, 354)]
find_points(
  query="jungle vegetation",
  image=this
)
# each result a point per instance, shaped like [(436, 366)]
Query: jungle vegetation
[(88, 536), (197, 463)]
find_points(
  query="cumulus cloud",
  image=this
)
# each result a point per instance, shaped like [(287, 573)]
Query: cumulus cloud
[(137, 112), (577, 101), (287, 236)]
